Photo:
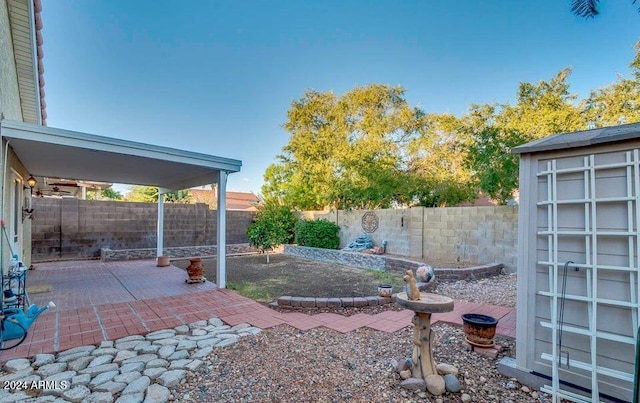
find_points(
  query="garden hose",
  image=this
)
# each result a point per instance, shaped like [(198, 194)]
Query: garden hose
[(636, 378), (2, 342), (563, 295)]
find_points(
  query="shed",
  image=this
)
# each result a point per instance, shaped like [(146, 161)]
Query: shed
[(579, 263)]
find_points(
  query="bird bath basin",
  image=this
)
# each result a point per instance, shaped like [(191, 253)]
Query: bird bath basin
[(428, 303), (423, 363)]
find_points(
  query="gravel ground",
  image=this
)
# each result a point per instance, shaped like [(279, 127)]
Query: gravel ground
[(498, 290), (284, 364)]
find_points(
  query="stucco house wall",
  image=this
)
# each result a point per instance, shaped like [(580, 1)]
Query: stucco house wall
[(11, 109), (9, 95)]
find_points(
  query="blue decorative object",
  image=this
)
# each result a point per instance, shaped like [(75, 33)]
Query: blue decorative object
[(363, 242)]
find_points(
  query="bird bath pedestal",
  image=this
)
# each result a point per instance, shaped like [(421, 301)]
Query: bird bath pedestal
[(423, 364)]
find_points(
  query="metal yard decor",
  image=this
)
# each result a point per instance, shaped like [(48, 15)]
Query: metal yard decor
[(370, 222)]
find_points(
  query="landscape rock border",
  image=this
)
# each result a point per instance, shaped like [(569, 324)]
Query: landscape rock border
[(288, 301), (131, 369), (391, 263)]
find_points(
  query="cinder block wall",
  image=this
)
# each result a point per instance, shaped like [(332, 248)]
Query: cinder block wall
[(466, 234), (393, 227), (69, 228), (472, 234)]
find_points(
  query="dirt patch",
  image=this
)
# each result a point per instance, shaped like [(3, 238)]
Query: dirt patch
[(288, 275)]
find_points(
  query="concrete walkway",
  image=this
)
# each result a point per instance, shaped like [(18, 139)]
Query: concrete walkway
[(105, 301)]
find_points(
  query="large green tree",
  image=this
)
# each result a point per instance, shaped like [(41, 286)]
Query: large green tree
[(352, 151), (369, 149), (490, 157), (142, 194), (437, 164), (618, 102), (542, 109), (149, 194), (491, 131), (104, 194)]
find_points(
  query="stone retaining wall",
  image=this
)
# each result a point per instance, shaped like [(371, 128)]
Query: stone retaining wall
[(376, 262), (475, 235), (389, 263), (400, 265), (108, 255)]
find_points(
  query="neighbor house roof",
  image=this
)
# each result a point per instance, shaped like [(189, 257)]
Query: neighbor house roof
[(26, 37), (235, 200), (242, 201), (205, 196), (582, 138)]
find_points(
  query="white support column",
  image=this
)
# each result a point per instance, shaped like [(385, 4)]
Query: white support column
[(221, 234), (160, 233)]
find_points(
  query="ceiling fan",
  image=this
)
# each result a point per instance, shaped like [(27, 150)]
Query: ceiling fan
[(67, 184), (56, 189)]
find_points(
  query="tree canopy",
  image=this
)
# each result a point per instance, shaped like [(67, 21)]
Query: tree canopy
[(108, 193), (272, 225), (149, 194), (350, 151), (368, 148), (493, 130), (619, 102)]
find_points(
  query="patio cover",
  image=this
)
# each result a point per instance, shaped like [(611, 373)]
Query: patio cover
[(51, 152)]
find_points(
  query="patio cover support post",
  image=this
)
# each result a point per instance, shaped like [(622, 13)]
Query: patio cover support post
[(160, 234), (221, 234)]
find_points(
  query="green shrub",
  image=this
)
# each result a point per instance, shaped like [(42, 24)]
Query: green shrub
[(273, 225), (317, 234)]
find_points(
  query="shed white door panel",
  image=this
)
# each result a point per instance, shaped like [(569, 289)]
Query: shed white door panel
[(588, 225)]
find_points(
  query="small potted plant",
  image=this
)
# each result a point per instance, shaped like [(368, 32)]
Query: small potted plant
[(385, 290), (195, 270), (479, 329)]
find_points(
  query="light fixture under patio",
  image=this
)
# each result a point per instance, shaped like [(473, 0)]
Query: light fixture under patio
[(27, 212)]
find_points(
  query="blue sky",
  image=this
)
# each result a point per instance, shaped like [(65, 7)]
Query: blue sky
[(218, 77)]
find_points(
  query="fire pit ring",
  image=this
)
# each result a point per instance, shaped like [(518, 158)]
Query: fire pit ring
[(480, 330)]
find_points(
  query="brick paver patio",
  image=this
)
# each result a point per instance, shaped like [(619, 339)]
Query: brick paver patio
[(105, 301)]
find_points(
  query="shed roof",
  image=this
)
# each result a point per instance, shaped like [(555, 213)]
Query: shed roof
[(582, 138)]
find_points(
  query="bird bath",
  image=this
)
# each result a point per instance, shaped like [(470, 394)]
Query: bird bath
[(423, 363)]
